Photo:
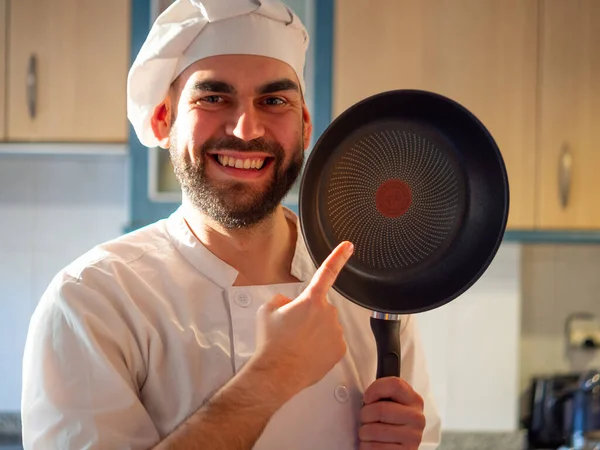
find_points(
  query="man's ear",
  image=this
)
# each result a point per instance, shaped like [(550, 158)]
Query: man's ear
[(308, 127), (161, 122)]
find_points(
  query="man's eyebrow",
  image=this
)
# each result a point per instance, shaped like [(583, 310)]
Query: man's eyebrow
[(216, 86), (285, 84)]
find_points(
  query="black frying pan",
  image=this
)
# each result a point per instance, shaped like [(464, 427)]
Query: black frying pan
[(418, 185)]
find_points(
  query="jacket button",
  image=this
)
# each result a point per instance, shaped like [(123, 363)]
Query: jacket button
[(242, 299), (341, 394)]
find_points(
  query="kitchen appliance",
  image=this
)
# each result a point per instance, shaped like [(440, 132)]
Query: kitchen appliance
[(562, 410), (586, 408), (545, 416), (417, 183)]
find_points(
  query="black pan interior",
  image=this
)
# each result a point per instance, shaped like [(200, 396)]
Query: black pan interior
[(449, 190)]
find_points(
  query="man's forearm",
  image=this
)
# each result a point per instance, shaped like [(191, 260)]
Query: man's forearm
[(235, 417)]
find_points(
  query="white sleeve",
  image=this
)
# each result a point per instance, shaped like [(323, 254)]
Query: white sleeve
[(82, 369), (413, 369)]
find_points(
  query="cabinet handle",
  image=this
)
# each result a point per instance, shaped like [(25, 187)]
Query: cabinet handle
[(31, 83), (564, 175)]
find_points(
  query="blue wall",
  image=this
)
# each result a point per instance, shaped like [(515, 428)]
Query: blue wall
[(142, 210)]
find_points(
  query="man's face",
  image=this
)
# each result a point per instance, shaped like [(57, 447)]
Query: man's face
[(238, 134)]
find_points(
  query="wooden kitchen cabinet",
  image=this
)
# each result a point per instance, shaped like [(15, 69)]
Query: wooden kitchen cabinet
[(481, 53), (3, 21), (569, 115), (67, 70)]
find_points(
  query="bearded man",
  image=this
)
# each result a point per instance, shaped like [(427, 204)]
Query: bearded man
[(212, 328)]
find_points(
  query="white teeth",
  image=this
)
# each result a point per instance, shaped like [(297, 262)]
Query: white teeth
[(240, 163)]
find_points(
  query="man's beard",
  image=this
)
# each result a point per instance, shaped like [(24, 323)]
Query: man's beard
[(235, 204)]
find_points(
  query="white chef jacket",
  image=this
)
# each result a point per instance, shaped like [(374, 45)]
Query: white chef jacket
[(130, 339)]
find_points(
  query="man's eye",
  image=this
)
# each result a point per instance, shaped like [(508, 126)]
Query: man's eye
[(213, 99), (274, 101)]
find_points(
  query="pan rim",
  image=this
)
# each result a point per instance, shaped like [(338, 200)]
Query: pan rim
[(307, 211)]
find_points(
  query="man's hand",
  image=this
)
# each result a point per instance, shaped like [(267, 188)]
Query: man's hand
[(391, 425), (302, 339), (298, 341)]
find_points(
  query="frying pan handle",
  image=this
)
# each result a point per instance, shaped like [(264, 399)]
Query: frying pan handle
[(386, 329)]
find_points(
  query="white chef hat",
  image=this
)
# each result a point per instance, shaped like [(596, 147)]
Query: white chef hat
[(189, 30)]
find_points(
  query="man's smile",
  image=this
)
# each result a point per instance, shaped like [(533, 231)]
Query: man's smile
[(247, 165), (239, 163)]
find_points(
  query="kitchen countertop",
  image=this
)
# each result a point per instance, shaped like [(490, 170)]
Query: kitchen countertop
[(10, 437), (467, 440), (10, 431)]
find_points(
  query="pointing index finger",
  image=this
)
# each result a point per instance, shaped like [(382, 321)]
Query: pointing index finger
[(327, 273)]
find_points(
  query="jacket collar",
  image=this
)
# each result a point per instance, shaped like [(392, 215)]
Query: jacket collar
[(217, 270)]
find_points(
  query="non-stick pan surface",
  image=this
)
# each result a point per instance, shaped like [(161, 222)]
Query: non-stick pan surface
[(418, 185)]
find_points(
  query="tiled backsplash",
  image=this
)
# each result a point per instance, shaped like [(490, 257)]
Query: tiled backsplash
[(52, 209), (557, 280)]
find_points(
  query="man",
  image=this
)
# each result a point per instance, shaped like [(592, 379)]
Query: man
[(212, 329)]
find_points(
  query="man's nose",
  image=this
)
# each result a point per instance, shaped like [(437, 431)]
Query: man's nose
[(246, 124)]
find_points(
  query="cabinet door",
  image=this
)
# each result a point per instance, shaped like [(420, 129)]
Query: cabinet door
[(3, 21), (481, 53), (569, 115), (81, 51)]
